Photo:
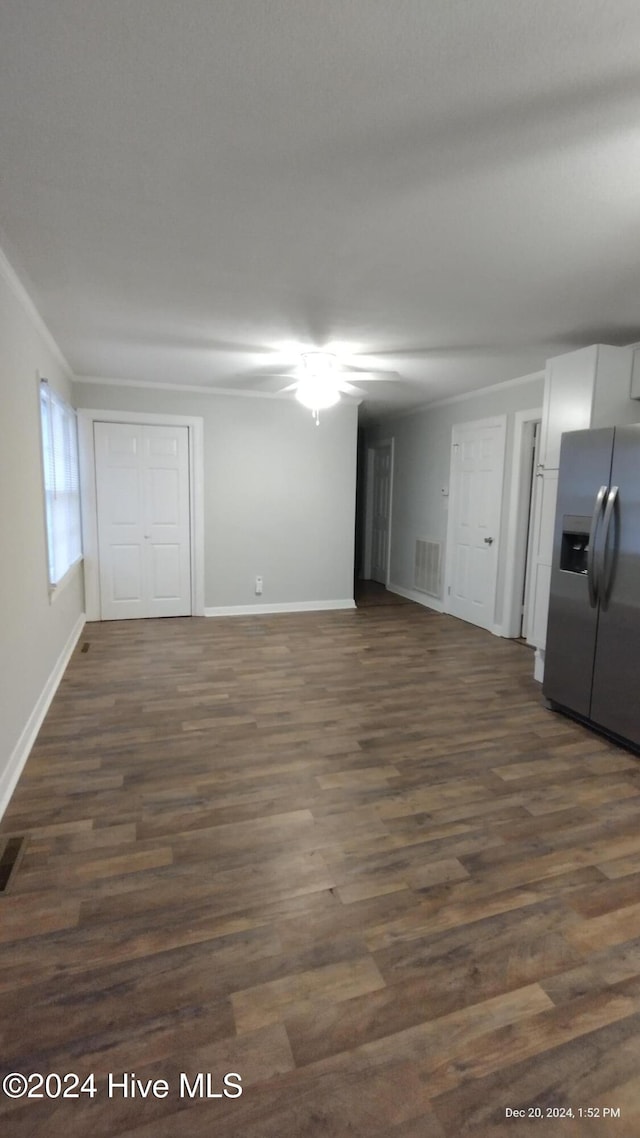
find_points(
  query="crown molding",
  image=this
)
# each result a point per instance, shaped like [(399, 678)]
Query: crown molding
[(10, 276), (464, 396), (517, 382)]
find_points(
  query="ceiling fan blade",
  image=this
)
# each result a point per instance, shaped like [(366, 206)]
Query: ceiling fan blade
[(436, 350), (365, 375), (233, 347), (350, 389), (289, 387), (269, 383)]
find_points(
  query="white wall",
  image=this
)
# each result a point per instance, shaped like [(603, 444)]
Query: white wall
[(421, 468), (34, 633), (279, 492)]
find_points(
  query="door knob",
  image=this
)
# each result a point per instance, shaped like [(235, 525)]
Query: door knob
[(488, 541)]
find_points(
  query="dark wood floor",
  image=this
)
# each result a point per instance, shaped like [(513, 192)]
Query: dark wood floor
[(373, 593), (348, 856)]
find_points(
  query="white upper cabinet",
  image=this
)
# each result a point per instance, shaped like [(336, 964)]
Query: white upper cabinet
[(590, 387)]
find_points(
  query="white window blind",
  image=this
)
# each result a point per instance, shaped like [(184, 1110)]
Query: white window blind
[(61, 483)]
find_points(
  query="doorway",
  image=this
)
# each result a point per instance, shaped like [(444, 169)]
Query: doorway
[(533, 488), (520, 551), (379, 504)]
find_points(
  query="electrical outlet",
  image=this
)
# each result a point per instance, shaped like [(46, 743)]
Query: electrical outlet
[(258, 586)]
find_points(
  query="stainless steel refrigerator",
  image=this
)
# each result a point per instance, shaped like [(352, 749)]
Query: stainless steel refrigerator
[(592, 656)]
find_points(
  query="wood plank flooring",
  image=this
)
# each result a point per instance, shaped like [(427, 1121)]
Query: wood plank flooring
[(349, 856)]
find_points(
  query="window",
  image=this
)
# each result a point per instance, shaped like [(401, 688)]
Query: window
[(61, 483)]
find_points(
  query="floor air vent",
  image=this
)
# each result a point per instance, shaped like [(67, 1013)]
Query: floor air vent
[(11, 850), (426, 576)]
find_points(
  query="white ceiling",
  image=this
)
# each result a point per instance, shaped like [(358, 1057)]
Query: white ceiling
[(448, 187)]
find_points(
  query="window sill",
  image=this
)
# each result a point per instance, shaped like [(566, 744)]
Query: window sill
[(55, 590)]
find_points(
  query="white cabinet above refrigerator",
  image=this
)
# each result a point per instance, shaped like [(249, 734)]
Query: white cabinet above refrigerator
[(590, 387)]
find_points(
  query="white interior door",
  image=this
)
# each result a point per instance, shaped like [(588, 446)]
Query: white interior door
[(381, 513), (477, 467), (142, 490)]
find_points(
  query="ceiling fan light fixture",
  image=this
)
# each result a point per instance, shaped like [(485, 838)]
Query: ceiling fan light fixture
[(316, 394)]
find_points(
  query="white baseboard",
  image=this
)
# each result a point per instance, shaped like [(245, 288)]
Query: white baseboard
[(289, 606), (435, 604), (538, 667), (22, 749), (419, 598)]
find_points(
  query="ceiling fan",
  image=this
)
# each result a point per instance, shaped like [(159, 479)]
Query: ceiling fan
[(319, 380)]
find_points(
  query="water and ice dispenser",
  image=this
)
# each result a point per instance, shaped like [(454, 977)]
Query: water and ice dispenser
[(574, 548)]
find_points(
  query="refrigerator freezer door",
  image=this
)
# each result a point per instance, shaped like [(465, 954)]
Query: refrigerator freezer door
[(615, 701), (585, 468)]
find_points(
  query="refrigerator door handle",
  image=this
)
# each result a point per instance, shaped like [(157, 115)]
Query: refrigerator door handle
[(592, 574), (602, 555)]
